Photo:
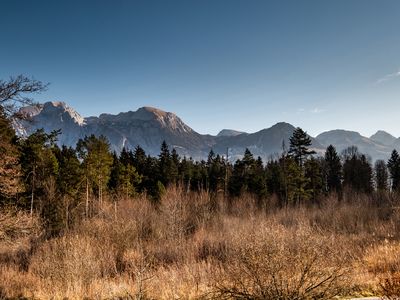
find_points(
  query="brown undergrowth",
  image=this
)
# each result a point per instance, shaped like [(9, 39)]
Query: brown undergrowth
[(198, 246)]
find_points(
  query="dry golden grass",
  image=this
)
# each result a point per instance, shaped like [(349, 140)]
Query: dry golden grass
[(194, 246)]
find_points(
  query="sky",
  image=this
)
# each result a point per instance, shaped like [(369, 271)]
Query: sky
[(237, 64)]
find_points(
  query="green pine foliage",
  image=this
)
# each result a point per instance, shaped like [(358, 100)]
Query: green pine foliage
[(333, 170), (299, 146), (357, 171), (381, 176), (97, 162), (393, 165)]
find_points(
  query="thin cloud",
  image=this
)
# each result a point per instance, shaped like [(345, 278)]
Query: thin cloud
[(388, 77), (300, 110), (317, 110)]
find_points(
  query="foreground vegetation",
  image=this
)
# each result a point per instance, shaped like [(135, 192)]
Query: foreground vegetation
[(192, 245)]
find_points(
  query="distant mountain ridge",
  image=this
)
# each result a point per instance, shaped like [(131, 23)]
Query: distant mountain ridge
[(149, 126)]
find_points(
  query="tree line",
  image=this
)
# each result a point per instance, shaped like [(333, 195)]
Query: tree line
[(64, 184)]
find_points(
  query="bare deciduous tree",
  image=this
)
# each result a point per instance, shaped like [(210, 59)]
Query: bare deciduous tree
[(15, 92)]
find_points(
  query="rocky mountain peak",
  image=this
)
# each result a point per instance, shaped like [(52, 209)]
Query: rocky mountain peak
[(383, 137), (59, 109), (229, 132), (167, 120)]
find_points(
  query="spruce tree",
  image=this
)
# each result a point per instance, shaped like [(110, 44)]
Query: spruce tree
[(299, 146), (167, 171), (39, 165), (242, 174), (124, 179), (333, 170), (394, 169), (357, 171), (381, 176), (258, 181), (314, 175), (70, 175), (97, 162), (216, 172)]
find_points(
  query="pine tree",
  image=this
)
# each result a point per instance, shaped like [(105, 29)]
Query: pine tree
[(299, 146), (39, 164), (165, 164), (394, 169), (174, 169), (257, 180), (139, 159), (126, 157), (393, 165), (333, 170), (357, 171), (314, 175), (124, 179), (70, 184), (275, 179), (97, 161), (242, 174), (70, 175), (295, 182), (185, 171), (116, 167), (381, 176), (216, 172)]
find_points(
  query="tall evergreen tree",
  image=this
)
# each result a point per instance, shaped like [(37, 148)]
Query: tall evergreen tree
[(174, 171), (394, 170), (295, 182), (70, 175), (381, 176), (314, 175), (126, 157), (97, 162), (275, 179), (124, 179), (299, 146), (70, 184), (357, 171), (39, 164), (164, 164), (333, 170), (258, 180), (216, 172)]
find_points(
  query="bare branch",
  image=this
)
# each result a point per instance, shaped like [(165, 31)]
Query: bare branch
[(15, 92)]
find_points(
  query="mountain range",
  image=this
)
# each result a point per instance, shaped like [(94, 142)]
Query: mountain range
[(148, 127)]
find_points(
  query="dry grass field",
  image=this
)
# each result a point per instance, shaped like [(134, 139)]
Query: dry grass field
[(194, 246)]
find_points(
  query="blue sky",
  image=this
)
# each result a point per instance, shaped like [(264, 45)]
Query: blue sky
[(217, 64)]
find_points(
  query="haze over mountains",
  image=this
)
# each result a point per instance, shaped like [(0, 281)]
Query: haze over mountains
[(148, 127)]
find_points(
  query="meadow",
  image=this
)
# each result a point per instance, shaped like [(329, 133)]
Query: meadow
[(195, 245)]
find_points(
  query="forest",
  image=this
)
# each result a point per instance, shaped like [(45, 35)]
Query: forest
[(86, 222)]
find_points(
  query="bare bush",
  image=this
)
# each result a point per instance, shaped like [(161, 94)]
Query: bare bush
[(274, 263)]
